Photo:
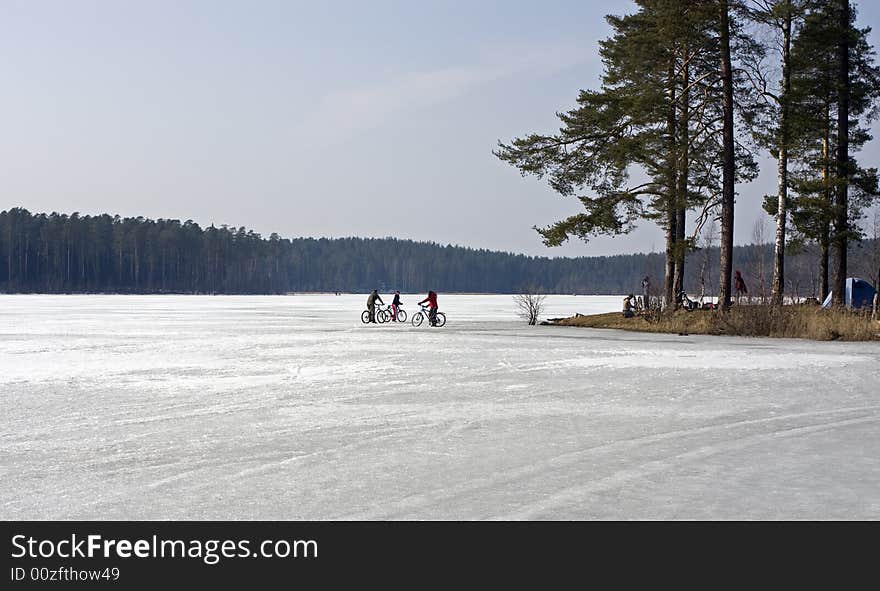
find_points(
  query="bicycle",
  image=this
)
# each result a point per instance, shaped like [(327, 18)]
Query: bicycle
[(365, 315), (687, 303), (425, 312), (386, 315)]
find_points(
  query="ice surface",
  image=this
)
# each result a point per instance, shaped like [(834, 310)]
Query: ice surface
[(288, 407)]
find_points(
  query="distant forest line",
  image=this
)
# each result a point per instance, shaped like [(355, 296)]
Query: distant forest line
[(59, 253)]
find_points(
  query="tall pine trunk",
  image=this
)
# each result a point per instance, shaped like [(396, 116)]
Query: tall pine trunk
[(777, 290), (682, 189), (825, 231), (824, 258), (727, 191), (671, 189), (841, 206)]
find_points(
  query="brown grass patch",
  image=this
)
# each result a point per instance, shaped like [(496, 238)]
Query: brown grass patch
[(800, 322)]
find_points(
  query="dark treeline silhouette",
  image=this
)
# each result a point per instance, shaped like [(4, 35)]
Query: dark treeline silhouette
[(59, 253)]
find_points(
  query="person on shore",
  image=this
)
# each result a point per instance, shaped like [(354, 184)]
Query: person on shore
[(740, 286), (628, 311), (395, 305), (432, 307), (646, 291), (371, 304)]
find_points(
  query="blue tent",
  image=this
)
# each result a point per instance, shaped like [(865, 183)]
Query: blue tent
[(859, 293)]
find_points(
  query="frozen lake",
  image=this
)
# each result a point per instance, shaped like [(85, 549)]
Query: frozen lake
[(288, 407)]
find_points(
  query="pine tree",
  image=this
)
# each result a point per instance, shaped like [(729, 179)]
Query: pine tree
[(771, 117), (728, 155), (658, 112), (822, 211), (841, 205)]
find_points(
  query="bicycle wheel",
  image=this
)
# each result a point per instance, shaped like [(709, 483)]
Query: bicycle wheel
[(382, 316), (441, 319), (417, 319), (401, 316), (365, 316)]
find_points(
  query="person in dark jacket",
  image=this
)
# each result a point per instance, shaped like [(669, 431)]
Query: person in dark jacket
[(395, 304), (371, 304), (432, 307), (740, 286), (628, 308)]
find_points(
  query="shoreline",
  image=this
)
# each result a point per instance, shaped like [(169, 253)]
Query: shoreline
[(797, 321)]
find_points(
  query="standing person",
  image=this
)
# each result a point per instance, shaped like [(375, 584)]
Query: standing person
[(740, 285), (646, 291), (432, 307), (371, 304), (395, 304)]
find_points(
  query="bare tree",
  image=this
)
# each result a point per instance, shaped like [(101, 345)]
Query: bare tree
[(707, 241), (529, 304), (868, 266), (760, 241), (794, 286)]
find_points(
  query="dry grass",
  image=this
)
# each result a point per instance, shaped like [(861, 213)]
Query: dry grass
[(801, 322)]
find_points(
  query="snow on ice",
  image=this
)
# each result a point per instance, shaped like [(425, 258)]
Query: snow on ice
[(288, 407)]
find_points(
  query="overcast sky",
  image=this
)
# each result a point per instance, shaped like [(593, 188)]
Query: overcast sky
[(333, 118)]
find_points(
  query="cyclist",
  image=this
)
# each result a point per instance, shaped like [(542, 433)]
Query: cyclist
[(371, 304), (395, 304), (432, 307)]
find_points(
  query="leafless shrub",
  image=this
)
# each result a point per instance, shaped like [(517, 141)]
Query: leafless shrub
[(759, 264), (529, 304), (708, 238)]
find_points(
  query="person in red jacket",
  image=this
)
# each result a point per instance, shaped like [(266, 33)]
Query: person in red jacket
[(432, 307)]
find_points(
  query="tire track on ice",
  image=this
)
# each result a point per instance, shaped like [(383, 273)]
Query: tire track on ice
[(565, 460), (574, 493)]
